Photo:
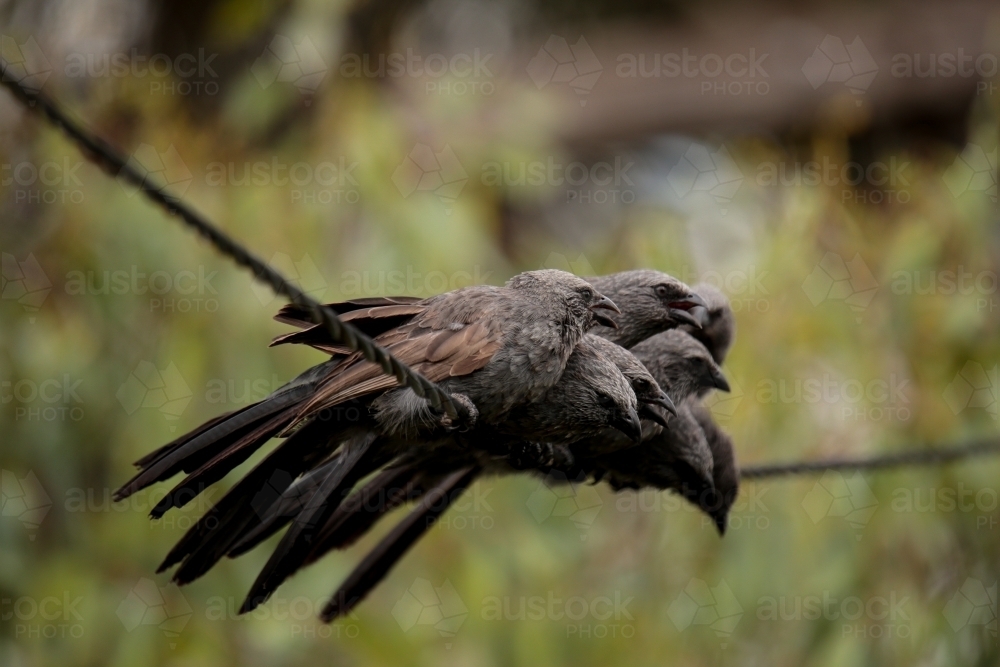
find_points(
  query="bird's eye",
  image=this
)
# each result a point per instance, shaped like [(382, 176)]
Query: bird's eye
[(641, 385), (605, 401), (662, 291)]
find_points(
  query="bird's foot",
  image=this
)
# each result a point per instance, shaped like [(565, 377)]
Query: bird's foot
[(467, 414), (539, 456)]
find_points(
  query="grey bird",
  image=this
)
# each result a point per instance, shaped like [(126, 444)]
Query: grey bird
[(685, 368), (650, 302), (494, 347), (497, 346), (716, 328), (591, 394), (717, 332)]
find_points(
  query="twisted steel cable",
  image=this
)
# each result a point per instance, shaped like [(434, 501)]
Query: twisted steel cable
[(110, 160)]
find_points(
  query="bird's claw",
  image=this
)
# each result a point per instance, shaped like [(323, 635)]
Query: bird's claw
[(467, 416)]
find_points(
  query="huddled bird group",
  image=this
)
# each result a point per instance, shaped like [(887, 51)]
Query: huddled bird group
[(574, 380)]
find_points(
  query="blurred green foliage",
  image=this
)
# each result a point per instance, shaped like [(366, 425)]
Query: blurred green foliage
[(145, 333)]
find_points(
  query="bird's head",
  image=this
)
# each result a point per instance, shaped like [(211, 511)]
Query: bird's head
[(590, 396), (645, 387), (716, 328), (650, 301), (585, 304), (680, 364)]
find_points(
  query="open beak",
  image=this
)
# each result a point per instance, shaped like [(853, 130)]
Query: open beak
[(602, 304), (628, 423), (646, 411), (687, 310)]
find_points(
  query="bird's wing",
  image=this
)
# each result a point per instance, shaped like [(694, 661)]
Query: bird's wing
[(300, 317), (453, 337)]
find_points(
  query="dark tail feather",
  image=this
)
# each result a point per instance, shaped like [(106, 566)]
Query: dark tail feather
[(203, 447), (220, 465), (160, 452), (393, 546), (296, 544), (388, 490), (285, 508), (243, 506)]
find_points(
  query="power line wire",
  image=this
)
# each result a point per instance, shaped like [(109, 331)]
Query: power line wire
[(918, 457), (111, 161)]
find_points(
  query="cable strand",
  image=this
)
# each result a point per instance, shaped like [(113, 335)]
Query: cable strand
[(110, 160), (919, 457)]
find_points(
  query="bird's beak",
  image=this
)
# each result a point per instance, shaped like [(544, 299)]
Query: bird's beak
[(684, 310), (646, 411), (721, 521), (684, 317), (718, 380), (664, 402), (604, 303), (701, 314), (628, 423)]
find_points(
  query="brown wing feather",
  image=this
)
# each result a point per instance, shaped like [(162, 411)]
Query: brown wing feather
[(453, 338)]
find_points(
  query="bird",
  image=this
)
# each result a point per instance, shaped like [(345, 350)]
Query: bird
[(591, 394), (676, 457), (716, 327), (715, 334), (650, 302), (679, 457), (490, 347), (417, 453)]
